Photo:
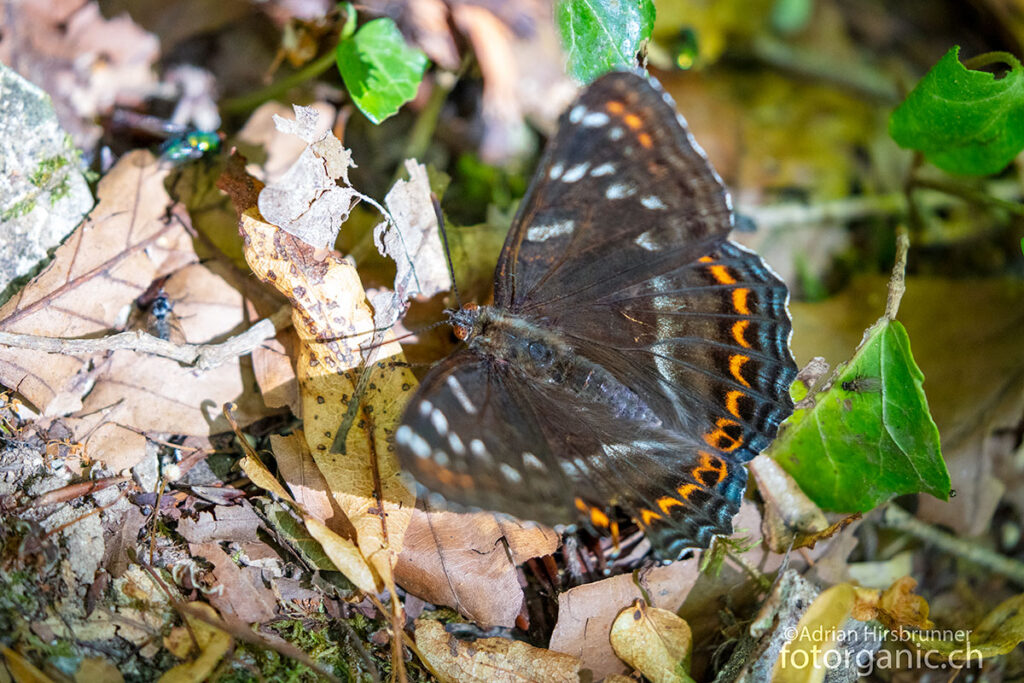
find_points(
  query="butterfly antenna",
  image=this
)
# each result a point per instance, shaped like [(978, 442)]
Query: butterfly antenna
[(447, 252)]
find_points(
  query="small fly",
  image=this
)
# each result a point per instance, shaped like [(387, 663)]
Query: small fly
[(156, 314)]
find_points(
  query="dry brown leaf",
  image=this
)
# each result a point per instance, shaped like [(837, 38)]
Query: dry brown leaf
[(307, 483), (655, 642), (346, 557), (238, 590), (462, 561), (896, 607), (491, 660), (213, 645), (586, 613), (307, 201), (329, 309), (127, 241), (85, 61), (237, 523), (276, 149), (412, 239), (275, 374)]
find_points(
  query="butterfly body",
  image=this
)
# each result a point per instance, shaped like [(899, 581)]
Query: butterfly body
[(634, 357)]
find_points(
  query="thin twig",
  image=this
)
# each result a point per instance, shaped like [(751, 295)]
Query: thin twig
[(202, 356), (898, 281), (898, 518)]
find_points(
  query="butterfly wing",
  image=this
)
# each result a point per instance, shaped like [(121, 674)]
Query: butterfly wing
[(622, 194), (472, 435), (482, 435)]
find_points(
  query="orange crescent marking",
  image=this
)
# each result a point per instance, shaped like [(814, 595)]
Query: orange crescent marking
[(598, 518), (580, 505), (648, 516), (666, 503), (710, 463), (686, 489), (719, 435), (633, 121), (615, 107), (732, 402), (736, 362), (739, 301), (705, 259), (722, 275), (645, 140), (739, 328)]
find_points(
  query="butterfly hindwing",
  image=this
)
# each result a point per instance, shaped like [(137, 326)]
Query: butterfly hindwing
[(471, 435)]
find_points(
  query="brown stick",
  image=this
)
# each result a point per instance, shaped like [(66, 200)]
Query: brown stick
[(202, 356)]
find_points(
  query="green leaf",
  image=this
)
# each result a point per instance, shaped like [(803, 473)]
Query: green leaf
[(603, 35), (964, 121), (869, 437), (380, 70)]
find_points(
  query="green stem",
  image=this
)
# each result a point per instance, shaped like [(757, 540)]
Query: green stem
[(898, 518), (967, 193), (245, 103)]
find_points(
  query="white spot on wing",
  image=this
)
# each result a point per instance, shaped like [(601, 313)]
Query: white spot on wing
[(569, 469), (439, 421), (556, 171), (653, 202), (575, 173), (405, 436), (425, 408), (646, 241), (477, 447), (460, 395), (511, 473), (541, 233), (577, 113), (441, 458), (595, 119), (531, 460), (604, 169), (615, 133), (619, 191), (455, 443)]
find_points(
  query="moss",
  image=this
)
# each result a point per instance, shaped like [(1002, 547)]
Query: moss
[(44, 174), (22, 208)]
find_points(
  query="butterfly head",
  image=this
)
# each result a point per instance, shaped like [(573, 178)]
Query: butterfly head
[(464, 320)]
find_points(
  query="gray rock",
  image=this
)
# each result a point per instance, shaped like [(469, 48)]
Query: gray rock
[(43, 194)]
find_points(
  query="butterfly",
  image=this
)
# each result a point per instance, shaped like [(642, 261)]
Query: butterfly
[(634, 357)]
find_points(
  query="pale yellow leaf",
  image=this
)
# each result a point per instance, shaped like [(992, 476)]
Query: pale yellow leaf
[(655, 642)]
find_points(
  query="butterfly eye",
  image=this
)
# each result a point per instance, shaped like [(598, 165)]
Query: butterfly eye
[(540, 353)]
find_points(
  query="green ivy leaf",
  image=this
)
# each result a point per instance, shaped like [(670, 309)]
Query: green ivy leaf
[(870, 436), (380, 70), (964, 121), (603, 35)]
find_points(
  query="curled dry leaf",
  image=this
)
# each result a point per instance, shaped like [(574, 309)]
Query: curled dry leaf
[(655, 642), (1000, 632), (896, 607), (463, 561), (213, 645), (331, 318), (307, 200), (342, 552), (491, 660)]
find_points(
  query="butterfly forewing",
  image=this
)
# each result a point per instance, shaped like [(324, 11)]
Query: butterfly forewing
[(621, 194), (634, 357)]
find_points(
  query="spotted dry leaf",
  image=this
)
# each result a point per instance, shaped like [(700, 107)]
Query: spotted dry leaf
[(491, 660), (655, 642), (331, 318)]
